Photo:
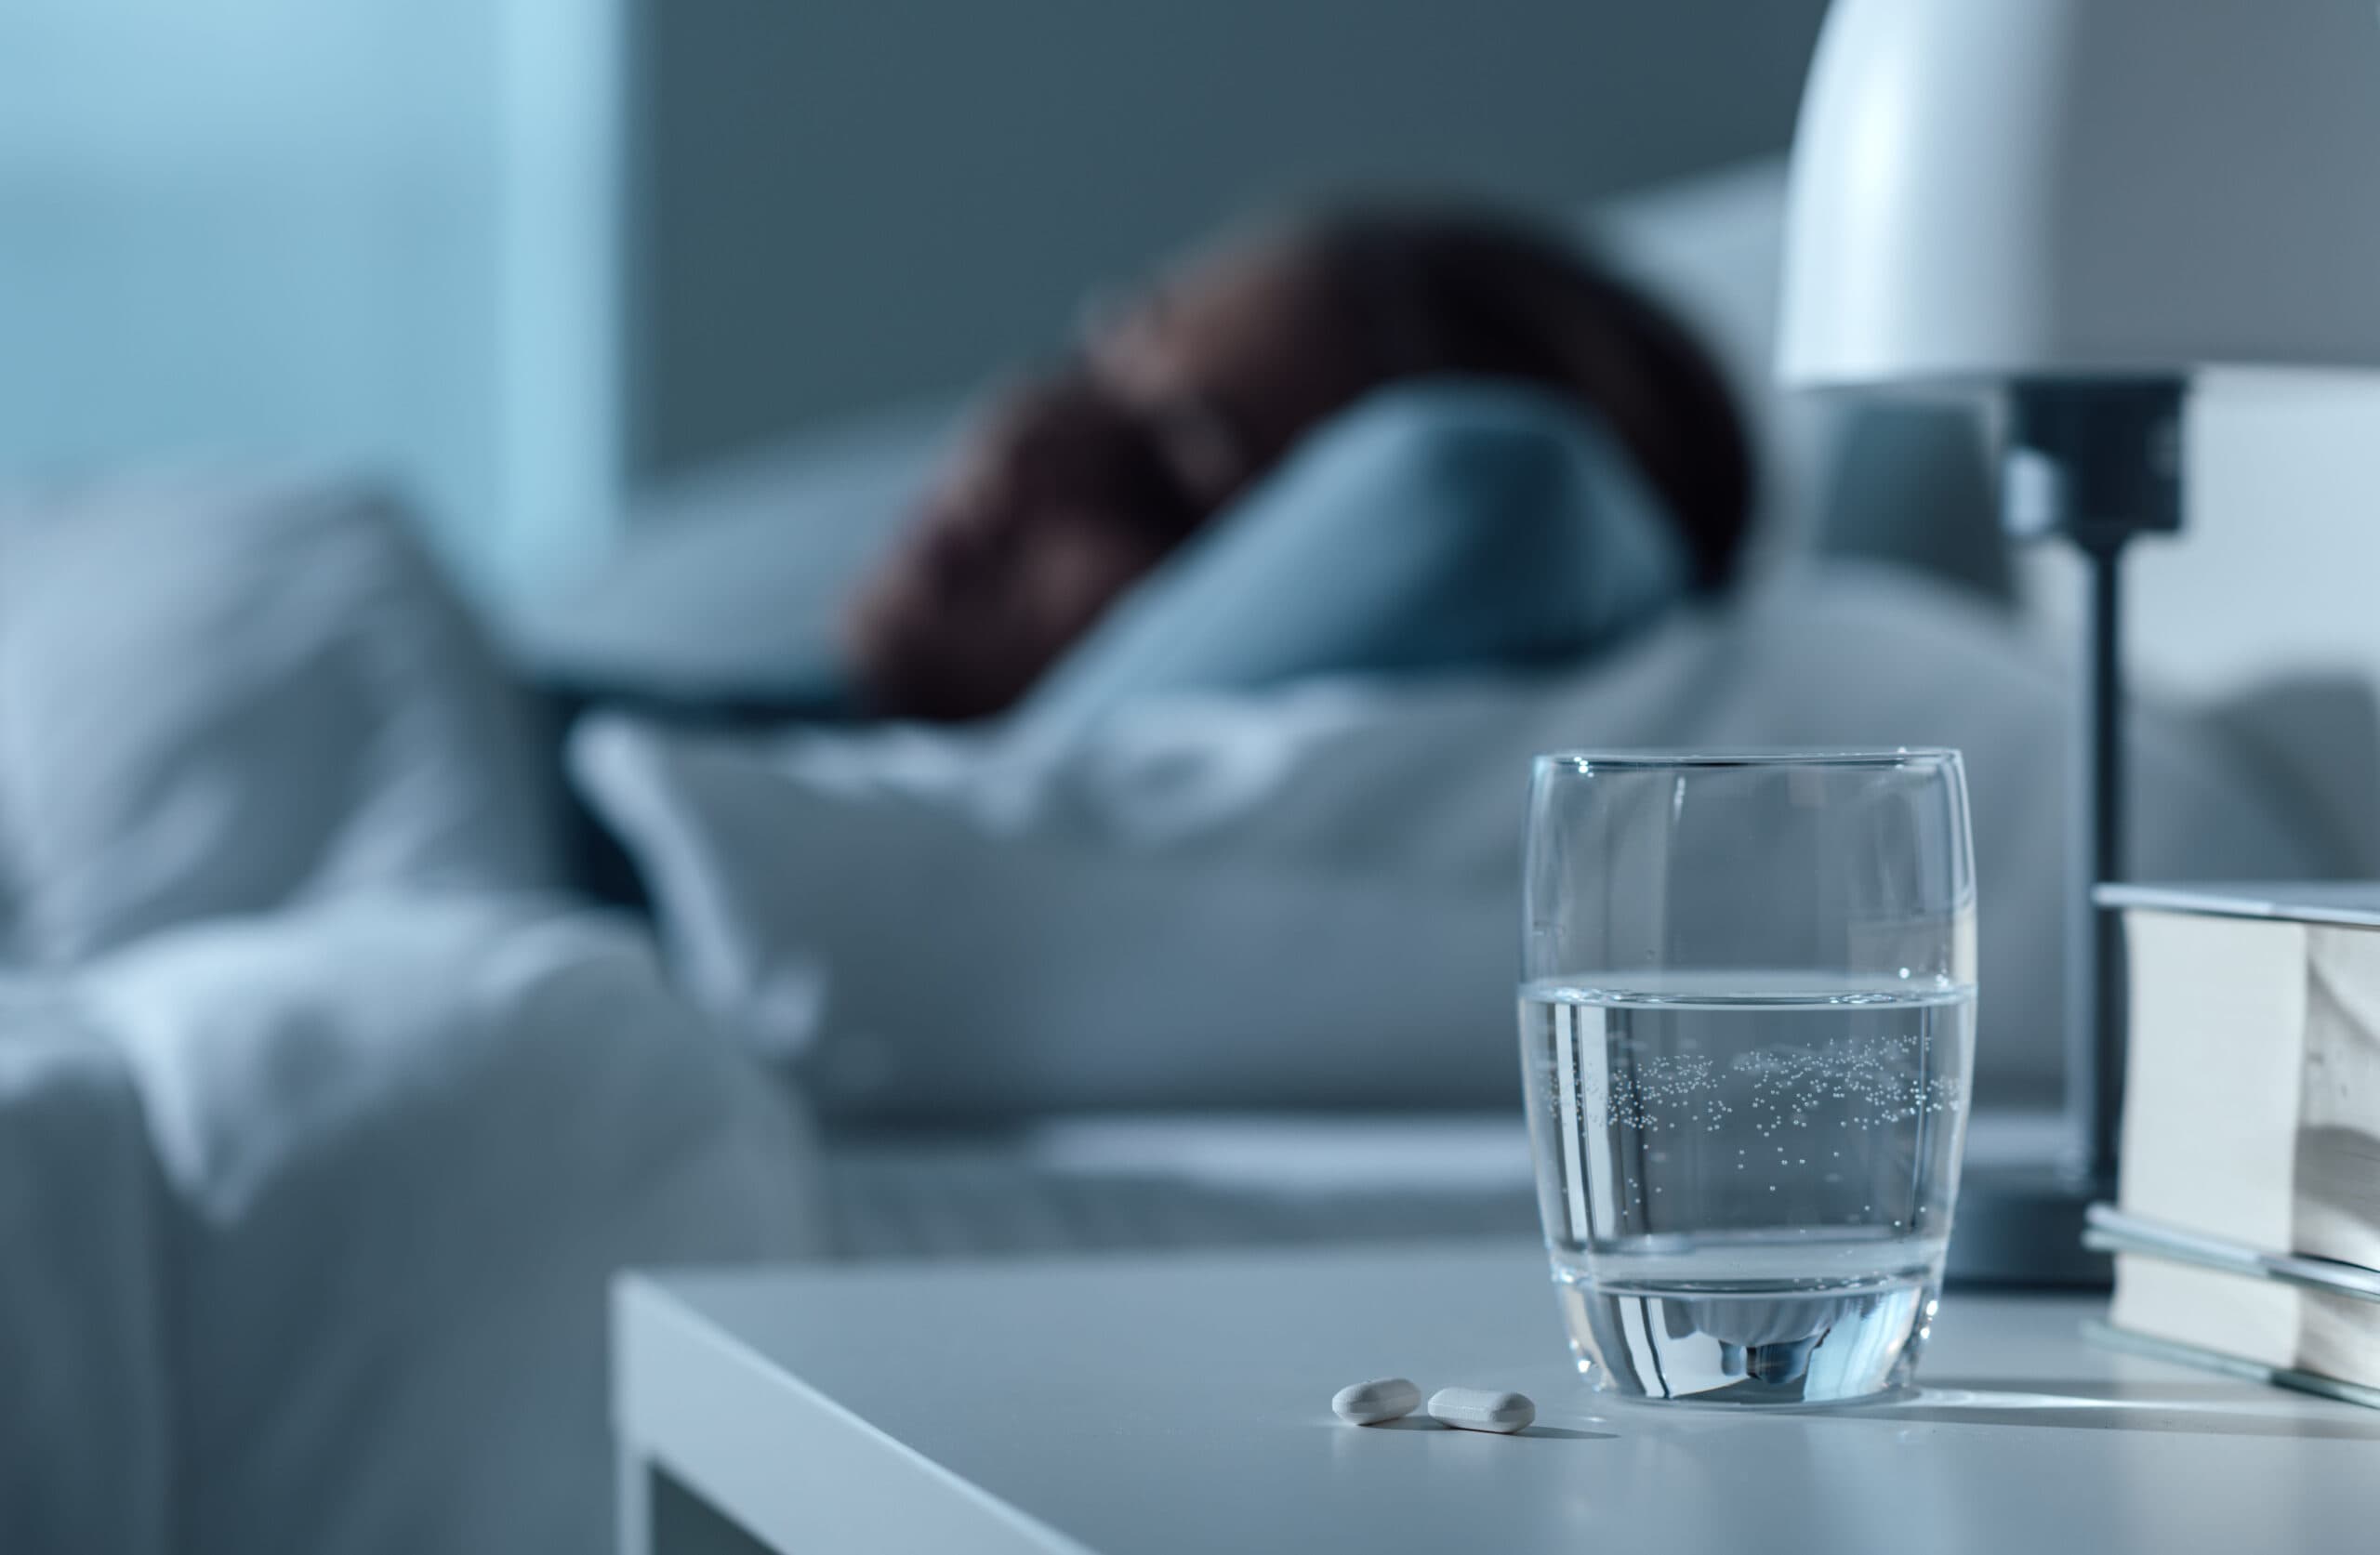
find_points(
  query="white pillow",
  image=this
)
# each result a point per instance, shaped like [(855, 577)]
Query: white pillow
[(1312, 897), (219, 694), (729, 584)]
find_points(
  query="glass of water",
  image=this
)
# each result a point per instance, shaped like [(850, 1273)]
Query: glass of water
[(1747, 1031)]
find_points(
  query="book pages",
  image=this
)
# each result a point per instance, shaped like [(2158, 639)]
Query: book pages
[(2336, 1204), (2212, 1088)]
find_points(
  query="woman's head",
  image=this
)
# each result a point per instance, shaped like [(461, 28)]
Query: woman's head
[(1079, 481), (1432, 291)]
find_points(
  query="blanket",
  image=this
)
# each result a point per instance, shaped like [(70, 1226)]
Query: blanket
[(310, 1217)]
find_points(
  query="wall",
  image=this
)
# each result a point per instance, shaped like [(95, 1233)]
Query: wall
[(2278, 565), (388, 234), (377, 233), (843, 202)]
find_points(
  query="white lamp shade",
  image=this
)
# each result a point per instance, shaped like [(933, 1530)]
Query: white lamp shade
[(1985, 190)]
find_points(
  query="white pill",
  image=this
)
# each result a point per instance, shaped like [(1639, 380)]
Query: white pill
[(1479, 1409), (1383, 1398)]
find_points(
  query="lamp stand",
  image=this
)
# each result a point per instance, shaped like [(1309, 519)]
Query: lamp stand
[(2097, 461)]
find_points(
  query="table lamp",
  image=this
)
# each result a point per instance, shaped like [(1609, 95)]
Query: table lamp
[(2071, 207)]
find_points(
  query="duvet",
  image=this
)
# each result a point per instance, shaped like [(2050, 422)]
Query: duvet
[(307, 1220), (324, 1118)]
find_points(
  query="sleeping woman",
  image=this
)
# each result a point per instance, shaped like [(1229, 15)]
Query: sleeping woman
[(1437, 437)]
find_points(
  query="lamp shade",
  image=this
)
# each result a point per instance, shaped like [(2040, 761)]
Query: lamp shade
[(1987, 190)]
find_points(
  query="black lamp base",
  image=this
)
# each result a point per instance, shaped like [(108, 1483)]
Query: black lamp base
[(2099, 462)]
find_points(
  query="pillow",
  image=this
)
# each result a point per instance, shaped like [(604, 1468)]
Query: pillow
[(1310, 897), (219, 694), (727, 584), (1434, 525)]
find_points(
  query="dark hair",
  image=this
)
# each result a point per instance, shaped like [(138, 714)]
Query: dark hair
[(1456, 289)]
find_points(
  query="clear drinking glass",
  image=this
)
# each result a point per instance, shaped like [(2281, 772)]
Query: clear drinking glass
[(1747, 1031)]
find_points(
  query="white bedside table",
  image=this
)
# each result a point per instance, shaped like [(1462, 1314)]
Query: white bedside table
[(1148, 1404)]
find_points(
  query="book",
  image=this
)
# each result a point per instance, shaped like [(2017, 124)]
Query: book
[(2247, 1221), (2303, 1323), (2252, 1087)]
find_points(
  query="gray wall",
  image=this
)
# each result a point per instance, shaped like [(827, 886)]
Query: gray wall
[(841, 202)]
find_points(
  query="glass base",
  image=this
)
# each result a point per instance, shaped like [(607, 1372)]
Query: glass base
[(1748, 1342)]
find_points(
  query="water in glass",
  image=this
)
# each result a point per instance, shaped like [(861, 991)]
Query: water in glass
[(1746, 1178)]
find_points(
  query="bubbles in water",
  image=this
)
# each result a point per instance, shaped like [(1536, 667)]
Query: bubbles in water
[(1878, 1081)]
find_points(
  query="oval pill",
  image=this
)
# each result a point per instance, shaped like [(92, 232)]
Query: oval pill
[(1482, 1409), (1383, 1398)]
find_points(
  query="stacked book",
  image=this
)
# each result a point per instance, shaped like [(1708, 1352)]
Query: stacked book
[(2246, 1233)]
